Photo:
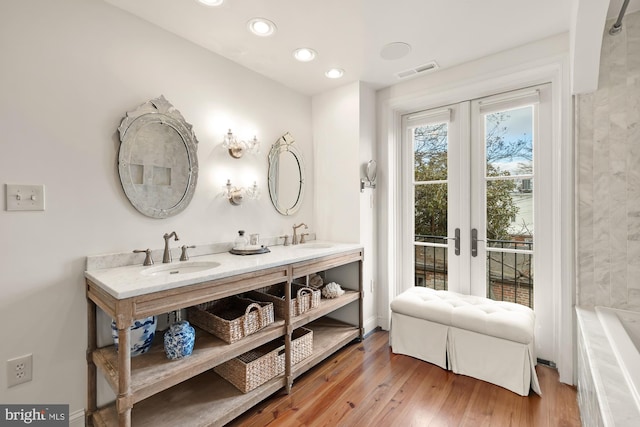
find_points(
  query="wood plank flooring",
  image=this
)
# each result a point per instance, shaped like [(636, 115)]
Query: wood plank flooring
[(365, 384)]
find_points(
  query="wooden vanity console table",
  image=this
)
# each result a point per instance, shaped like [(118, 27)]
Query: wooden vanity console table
[(152, 390)]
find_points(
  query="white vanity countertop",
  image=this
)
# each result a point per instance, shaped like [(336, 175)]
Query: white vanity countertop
[(129, 281)]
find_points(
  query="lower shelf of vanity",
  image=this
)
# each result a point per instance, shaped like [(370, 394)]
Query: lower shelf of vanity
[(329, 335), (152, 372), (208, 399)]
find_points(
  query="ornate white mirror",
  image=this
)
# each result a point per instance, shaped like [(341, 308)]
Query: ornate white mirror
[(286, 175), (157, 162)]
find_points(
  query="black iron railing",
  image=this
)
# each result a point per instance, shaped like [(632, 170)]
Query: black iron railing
[(431, 262), (510, 274)]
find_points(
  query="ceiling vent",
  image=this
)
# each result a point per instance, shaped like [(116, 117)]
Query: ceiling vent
[(419, 70)]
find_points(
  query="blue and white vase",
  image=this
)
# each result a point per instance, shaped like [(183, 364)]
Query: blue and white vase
[(179, 340), (141, 335)]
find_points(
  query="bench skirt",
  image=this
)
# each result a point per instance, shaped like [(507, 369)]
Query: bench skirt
[(502, 362)]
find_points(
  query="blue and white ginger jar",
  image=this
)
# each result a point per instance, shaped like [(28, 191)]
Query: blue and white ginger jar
[(141, 335), (179, 340)]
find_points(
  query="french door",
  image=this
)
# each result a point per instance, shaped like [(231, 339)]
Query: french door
[(477, 192)]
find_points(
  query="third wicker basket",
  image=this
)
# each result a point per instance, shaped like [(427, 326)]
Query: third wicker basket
[(303, 298), (233, 318)]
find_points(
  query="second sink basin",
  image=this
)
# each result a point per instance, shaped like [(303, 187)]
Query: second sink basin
[(180, 268), (315, 245)]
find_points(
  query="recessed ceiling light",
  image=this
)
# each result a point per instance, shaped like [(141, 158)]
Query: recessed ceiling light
[(211, 2), (334, 73), (261, 27), (304, 54)]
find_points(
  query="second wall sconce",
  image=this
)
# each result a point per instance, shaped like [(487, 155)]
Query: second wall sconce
[(370, 173), (236, 195), (237, 147)]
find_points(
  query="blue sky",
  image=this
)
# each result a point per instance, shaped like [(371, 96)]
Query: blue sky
[(519, 126)]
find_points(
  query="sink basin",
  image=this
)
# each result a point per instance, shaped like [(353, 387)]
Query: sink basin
[(180, 268), (315, 245)]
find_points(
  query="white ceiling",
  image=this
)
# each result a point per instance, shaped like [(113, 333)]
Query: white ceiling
[(350, 33)]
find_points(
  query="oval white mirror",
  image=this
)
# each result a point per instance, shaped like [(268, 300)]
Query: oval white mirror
[(286, 175)]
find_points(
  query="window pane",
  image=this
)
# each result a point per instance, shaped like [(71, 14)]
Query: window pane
[(431, 267), (510, 226), (430, 152), (510, 212), (509, 142), (510, 277), (430, 210), (431, 264)]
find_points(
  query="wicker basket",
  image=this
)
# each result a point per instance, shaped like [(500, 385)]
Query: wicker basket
[(303, 298), (253, 368), (301, 345), (256, 367), (233, 318)]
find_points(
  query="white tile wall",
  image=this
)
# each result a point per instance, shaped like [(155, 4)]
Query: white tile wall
[(608, 156)]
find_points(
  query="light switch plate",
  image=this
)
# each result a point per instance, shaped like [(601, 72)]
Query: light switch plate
[(25, 197)]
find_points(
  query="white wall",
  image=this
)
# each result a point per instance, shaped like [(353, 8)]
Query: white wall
[(344, 140), (336, 138), (70, 70), (369, 207)]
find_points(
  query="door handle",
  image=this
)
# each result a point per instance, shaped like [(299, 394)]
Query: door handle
[(474, 242), (456, 242)]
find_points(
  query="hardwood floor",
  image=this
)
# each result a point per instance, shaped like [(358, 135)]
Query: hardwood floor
[(366, 385)]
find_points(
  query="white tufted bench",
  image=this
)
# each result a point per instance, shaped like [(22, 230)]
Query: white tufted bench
[(482, 338)]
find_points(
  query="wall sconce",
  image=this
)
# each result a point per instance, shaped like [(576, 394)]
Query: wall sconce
[(236, 195), (237, 147), (370, 172)]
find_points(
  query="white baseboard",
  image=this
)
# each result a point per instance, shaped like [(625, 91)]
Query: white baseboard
[(77, 418), (370, 324), (385, 323)]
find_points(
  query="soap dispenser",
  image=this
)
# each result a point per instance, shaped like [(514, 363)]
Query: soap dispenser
[(241, 241)]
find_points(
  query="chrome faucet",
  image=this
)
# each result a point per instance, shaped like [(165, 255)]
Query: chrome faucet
[(295, 235), (166, 258)]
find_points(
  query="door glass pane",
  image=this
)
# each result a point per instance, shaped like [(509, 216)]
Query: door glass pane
[(509, 210), (509, 141), (431, 235), (430, 152), (510, 277), (431, 267), (430, 145), (509, 204), (431, 211), (509, 241)]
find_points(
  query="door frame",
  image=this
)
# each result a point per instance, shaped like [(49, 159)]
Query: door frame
[(466, 185), (554, 70)]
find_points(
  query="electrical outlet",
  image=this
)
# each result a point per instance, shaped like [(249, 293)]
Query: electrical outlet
[(19, 370)]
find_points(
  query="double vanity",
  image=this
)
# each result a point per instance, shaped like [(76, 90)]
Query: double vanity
[(158, 169), (153, 390)]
